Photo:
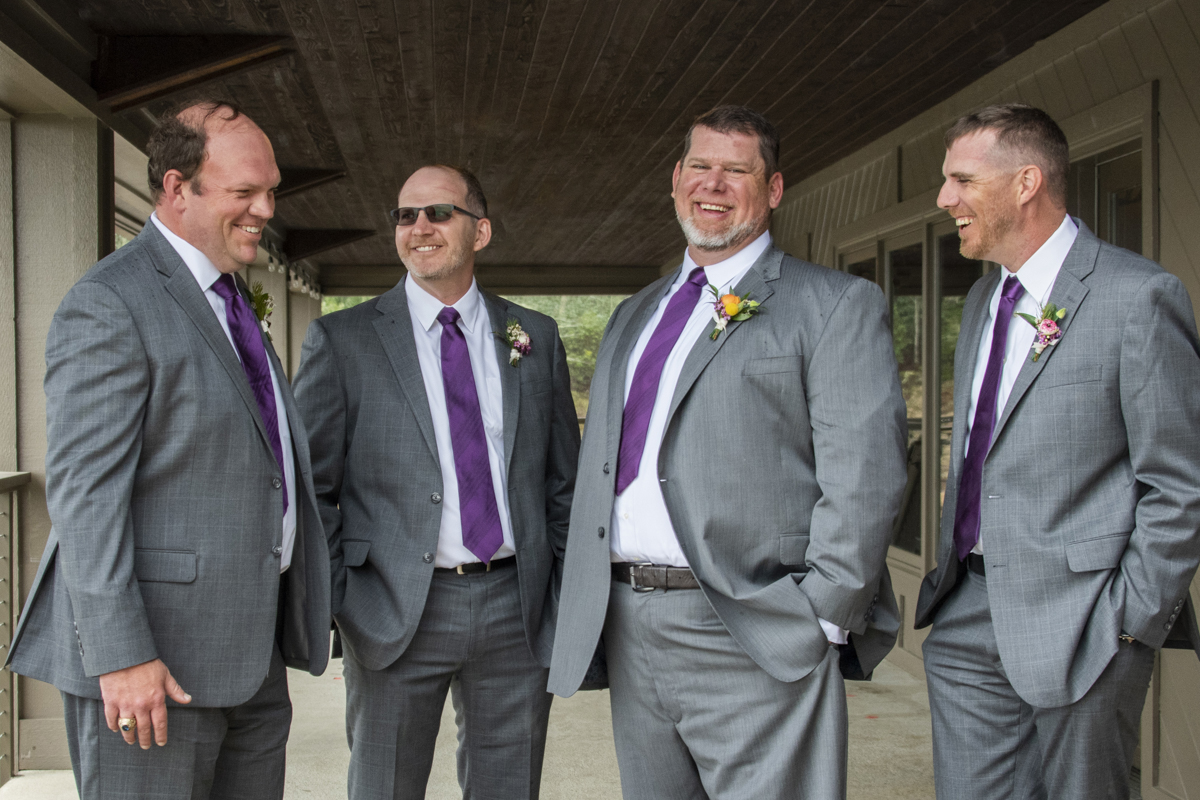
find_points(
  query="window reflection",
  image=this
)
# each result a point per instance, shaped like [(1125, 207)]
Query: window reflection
[(908, 334)]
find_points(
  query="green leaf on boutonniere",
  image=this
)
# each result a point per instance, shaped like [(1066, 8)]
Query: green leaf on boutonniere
[(1028, 318)]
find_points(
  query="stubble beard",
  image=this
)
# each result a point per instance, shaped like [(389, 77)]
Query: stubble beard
[(453, 264), (992, 230), (716, 241)]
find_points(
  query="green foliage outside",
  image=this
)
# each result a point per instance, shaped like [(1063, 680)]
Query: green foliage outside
[(332, 304), (581, 320)]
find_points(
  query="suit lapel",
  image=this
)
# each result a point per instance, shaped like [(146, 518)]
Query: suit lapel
[(974, 323), (626, 339), (182, 286), (1068, 292), (510, 376), (755, 283), (395, 332)]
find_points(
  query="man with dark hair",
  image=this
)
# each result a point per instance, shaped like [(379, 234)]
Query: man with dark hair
[(444, 450), (1071, 518), (741, 467), (186, 548)]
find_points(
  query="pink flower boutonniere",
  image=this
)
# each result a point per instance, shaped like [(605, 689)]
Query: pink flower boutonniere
[(517, 340), (1047, 332), (730, 308)]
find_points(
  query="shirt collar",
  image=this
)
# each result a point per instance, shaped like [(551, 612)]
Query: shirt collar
[(1037, 274), (425, 307), (202, 269), (724, 273)]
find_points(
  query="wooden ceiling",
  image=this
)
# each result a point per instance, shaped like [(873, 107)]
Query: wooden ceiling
[(572, 112)]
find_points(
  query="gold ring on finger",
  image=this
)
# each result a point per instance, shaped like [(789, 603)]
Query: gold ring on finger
[(127, 724)]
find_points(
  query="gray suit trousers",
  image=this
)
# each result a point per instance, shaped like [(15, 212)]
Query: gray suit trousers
[(471, 641), (989, 744), (234, 753), (694, 717)]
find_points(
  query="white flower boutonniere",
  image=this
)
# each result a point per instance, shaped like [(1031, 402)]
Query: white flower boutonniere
[(263, 306), (517, 340), (730, 308), (1046, 326)]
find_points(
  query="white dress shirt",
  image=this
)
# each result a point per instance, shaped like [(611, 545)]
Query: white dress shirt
[(206, 275), (1037, 275), (476, 327)]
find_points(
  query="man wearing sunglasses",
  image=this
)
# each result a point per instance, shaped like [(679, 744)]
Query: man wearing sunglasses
[(444, 445)]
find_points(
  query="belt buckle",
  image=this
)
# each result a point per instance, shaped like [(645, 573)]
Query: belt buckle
[(633, 581)]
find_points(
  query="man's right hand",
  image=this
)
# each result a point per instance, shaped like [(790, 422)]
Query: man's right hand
[(141, 692)]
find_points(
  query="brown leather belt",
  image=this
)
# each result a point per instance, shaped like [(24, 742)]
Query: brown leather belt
[(975, 564), (646, 577), (476, 567)]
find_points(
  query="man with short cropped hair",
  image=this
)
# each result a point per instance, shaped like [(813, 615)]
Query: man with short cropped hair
[(444, 439), (1071, 523), (187, 550), (741, 467)]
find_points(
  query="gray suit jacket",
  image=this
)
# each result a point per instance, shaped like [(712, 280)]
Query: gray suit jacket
[(1090, 513), (378, 478), (782, 467), (161, 486)]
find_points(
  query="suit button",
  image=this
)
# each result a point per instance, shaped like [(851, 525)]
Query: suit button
[(1167, 627), (427, 558), (436, 497), (276, 483), (601, 532), (606, 470), (277, 550)]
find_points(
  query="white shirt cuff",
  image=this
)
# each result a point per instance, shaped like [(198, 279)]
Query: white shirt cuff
[(833, 633)]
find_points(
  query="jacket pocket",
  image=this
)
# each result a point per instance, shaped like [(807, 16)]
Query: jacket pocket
[(166, 566), (1069, 376), (767, 366), (792, 547), (354, 552), (536, 387), (1103, 552)]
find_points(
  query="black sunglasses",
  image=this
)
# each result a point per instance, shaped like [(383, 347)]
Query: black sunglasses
[(439, 212)]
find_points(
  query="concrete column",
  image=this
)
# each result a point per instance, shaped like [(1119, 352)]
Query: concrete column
[(8, 288), (304, 309), (60, 173)]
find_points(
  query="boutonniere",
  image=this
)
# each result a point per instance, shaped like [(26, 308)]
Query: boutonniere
[(263, 306), (1046, 327), (517, 340), (730, 308)]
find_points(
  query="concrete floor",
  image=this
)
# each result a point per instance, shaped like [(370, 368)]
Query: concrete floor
[(890, 750)]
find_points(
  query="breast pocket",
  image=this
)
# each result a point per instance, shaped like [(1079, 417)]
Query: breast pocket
[(1070, 375), (773, 366)]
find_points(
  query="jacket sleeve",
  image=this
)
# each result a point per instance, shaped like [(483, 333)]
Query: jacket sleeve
[(320, 396), (97, 384), (1159, 376), (858, 423), (561, 460)]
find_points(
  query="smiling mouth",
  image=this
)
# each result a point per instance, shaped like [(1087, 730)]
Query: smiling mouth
[(426, 248), (714, 207), (249, 229), (963, 222)]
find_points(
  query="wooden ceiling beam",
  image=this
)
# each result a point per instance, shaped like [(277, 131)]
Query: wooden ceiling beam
[(300, 179), (307, 242), (131, 71)]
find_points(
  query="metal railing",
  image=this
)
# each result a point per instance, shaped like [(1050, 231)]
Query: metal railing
[(9, 483)]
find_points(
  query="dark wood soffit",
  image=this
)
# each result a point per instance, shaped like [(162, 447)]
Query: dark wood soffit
[(307, 242), (369, 279), (131, 71)]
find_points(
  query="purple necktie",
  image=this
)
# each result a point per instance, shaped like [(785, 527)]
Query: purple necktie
[(644, 389), (481, 531), (966, 515), (247, 338)]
